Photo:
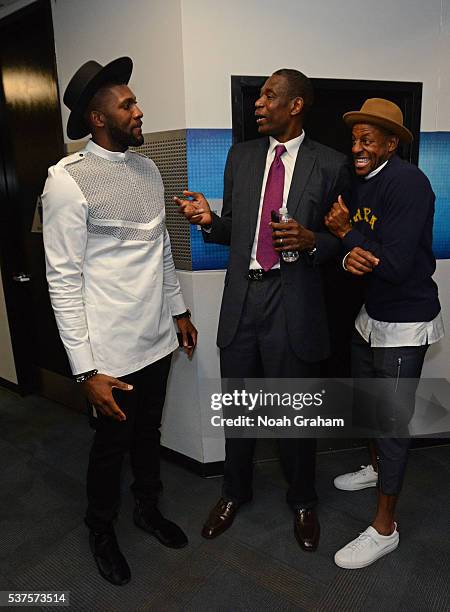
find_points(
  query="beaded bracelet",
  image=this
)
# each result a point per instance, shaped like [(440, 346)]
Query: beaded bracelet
[(81, 378)]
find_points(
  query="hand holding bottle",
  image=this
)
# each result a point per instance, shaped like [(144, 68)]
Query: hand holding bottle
[(289, 235)]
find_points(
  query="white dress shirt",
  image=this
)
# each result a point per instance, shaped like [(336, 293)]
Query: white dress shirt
[(111, 275), (383, 334), (288, 159)]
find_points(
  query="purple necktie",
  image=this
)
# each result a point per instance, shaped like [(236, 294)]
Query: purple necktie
[(266, 255)]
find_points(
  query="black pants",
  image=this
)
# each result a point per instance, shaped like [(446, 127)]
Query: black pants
[(392, 403), (261, 349), (139, 434)]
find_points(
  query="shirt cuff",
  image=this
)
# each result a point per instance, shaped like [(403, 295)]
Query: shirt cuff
[(177, 305), (81, 360)]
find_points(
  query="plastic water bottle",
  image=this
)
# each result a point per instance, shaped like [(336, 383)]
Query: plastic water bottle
[(288, 256)]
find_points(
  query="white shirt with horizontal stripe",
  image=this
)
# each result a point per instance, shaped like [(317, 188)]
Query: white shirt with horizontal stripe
[(110, 270)]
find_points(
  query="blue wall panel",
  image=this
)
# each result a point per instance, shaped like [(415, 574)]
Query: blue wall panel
[(206, 156), (434, 160)]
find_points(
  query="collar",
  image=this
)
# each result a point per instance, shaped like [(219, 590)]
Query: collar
[(292, 146), (115, 156), (374, 172)]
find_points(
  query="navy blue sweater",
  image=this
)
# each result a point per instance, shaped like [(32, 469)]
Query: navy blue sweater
[(392, 216)]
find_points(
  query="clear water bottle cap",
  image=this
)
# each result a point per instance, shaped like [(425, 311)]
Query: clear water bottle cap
[(283, 210)]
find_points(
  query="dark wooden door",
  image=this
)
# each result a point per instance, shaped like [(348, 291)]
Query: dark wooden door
[(31, 139)]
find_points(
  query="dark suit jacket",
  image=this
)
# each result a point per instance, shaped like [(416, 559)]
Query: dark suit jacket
[(320, 175)]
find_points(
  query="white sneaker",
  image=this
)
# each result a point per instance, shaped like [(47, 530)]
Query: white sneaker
[(354, 481), (366, 548)]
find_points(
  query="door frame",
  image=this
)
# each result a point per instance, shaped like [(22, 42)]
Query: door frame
[(11, 253)]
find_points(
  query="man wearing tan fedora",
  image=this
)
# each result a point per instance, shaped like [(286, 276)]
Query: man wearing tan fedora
[(116, 298), (387, 237)]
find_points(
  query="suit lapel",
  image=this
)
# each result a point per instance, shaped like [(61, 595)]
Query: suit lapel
[(302, 170), (255, 179)]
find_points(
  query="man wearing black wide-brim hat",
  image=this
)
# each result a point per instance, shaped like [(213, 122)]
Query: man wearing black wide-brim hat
[(116, 299), (387, 235)]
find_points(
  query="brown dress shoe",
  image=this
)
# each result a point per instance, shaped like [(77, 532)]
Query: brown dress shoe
[(307, 529), (220, 518)]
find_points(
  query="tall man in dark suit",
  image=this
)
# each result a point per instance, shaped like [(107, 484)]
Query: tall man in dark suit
[(273, 321)]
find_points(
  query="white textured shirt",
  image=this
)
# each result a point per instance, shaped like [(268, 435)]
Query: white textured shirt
[(288, 159), (110, 271)]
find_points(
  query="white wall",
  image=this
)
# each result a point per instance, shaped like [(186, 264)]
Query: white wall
[(404, 40), (186, 411), (149, 31), (189, 48), (186, 50)]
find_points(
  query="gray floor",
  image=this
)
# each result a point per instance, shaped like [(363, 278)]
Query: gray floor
[(256, 565)]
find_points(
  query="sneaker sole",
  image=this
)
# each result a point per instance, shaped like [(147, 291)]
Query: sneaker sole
[(366, 485), (384, 552)]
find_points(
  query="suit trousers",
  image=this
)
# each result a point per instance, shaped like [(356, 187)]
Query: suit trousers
[(261, 349), (396, 372), (139, 435)]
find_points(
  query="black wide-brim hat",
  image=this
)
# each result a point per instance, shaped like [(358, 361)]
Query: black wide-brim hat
[(86, 81)]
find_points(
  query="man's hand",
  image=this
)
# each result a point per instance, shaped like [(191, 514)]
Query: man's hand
[(188, 335), (360, 262), (98, 391), (291, 236), (337, 219), (196, 209)]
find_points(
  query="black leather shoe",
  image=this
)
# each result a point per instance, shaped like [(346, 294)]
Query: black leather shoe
[(307, 529), (111, 563), (220, 518), (152, 521)]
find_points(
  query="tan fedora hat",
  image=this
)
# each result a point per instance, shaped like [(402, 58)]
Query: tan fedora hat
[(382, 113)]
